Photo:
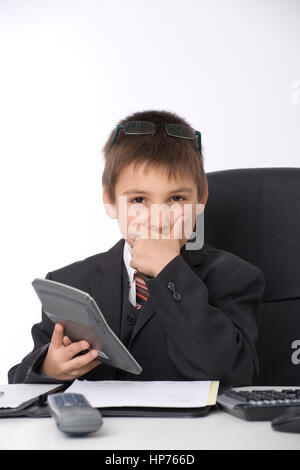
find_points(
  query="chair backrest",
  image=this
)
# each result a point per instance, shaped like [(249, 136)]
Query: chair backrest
[(255, 214)]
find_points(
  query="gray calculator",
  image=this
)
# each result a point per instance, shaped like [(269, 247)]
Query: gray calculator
[(82, 318)]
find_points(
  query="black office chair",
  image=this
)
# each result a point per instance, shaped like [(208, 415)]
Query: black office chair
[(255, 214)]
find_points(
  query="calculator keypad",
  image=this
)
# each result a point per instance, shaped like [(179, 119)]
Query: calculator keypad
[(70, 399), (266, 397)]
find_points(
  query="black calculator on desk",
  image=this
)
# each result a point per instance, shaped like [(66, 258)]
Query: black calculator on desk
[(258, 404)]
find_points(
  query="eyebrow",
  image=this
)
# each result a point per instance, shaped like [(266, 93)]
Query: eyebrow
[(183, 189)]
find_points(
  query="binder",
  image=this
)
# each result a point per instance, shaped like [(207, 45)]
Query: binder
[(149, 398), (34, 407), (148, 412)]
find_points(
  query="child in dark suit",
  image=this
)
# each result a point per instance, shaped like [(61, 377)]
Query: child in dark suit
[(184, 314)]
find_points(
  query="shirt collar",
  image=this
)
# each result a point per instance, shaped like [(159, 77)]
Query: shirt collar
[(127, 259)]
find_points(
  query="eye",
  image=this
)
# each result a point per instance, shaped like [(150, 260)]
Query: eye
[(183, 198), (139, 199), (135, 199)]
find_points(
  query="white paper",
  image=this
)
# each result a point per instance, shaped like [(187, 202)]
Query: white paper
[(164, 394), (15, 394)]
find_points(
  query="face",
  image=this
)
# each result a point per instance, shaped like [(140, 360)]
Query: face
[(149, 203)]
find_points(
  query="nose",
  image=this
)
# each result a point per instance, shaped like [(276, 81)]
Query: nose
[(159, 217)]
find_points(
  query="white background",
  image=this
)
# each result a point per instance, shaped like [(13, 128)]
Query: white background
[(70, 70)]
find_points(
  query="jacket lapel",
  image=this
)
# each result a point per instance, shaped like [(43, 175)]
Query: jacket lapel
[(106, 286), (142, 318)]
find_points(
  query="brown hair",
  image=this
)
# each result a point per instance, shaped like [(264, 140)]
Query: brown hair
[(158, 150)]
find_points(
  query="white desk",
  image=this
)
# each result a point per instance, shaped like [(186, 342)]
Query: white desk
[(218, 430)]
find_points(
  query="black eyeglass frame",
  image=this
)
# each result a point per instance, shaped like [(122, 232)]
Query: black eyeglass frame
[(153, 131)]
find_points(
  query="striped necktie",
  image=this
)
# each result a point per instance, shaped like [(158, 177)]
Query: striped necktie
[(142, 292)]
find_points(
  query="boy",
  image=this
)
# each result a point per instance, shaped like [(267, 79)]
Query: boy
[(184, 314)]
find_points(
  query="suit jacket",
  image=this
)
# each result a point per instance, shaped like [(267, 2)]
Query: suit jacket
[(200, 323)]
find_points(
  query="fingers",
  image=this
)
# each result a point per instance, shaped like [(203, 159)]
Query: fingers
[(74, 348), (66, 341), (57, 336), (85, 369), (81, 361), (60, 362), (70, 349), (83, 364)]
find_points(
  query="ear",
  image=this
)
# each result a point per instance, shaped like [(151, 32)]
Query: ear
[(109, 207)]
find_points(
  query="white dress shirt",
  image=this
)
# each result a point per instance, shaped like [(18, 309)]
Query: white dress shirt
[(130, 271)]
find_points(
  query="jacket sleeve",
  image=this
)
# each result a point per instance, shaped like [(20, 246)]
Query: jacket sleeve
[(28, 369), (210, 330)]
